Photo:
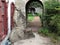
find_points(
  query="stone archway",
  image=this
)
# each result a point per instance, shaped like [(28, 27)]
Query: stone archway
[(22, 5), (36, 12)]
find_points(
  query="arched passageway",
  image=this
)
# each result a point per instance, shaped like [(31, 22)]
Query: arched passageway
[(34, 13)]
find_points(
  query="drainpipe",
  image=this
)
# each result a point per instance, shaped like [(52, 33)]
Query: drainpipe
[(9, 25)]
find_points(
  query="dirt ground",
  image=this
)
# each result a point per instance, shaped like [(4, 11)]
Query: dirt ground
[(37, 40)]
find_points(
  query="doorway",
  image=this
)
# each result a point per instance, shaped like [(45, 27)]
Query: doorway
[(34, 12)]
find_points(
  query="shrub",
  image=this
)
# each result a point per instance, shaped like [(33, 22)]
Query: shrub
[(44, 31), (53, 18), (30, 17)]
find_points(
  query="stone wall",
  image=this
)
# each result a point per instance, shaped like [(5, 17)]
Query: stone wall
[(20, 21), (21, 5)]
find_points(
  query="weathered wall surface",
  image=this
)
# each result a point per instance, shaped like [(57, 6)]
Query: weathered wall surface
[(20, 21), (22, 4)]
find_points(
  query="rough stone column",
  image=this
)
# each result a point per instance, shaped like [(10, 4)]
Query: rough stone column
[(20, 21), (20, 5)]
